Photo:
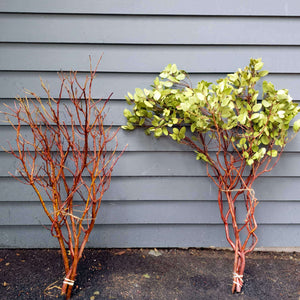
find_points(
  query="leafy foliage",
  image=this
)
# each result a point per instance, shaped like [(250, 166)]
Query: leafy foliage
[(256, 128)]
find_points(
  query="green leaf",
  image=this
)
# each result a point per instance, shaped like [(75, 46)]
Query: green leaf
[(142, 121), (147, 131), (156, 95), (258, 66), (242, 141), (129, 126), (202, 156), (255, 116), (268, 87), (226, 112), (158, 132), (245, 154), (175, 120), (166, 112), (281, 114), (168, 68), (193, 127), (133, 119), (139, 93), (148, 104), (168, 84), (176, 131), (266, 103), (233, 77), (180, 77), (163, 75), (250, 161), (156, 81), (263, 73), (242, 118), (265, 140), (240, 90), (272, 153), (225, 101), (128, 101), (127, 113), (296, 126), (257, 107), (173, 136), (181, 134), (174, 68), (154, 122), (282, 95), (185, 106)]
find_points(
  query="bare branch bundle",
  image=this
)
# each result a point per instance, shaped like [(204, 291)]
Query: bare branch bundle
[(69, 155)]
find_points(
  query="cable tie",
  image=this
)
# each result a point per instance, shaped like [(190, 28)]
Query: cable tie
[(237, 276), (69, 281)]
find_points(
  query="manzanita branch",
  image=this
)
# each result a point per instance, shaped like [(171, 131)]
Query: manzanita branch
[(246, 138), (70, 156)]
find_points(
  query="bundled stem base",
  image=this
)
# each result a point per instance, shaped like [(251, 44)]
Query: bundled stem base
[(235, 229)]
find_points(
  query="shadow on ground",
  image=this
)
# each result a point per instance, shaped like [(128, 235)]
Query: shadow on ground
[(144, 274)]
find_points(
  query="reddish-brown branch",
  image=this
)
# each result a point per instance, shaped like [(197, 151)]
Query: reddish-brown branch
[(228, 174), (66, 158)]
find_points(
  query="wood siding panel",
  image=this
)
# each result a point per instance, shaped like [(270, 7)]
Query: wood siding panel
[(116, 236), (12, 84), (146, 58), (166, 164), (137, 188), (136, 140), (162, 212), (156, 7), (183, 189), (170, 30)]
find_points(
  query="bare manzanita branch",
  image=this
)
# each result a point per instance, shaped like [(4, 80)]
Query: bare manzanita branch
[(67, 158)]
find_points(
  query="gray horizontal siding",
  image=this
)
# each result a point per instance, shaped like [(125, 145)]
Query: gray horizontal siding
[(159, 196), (114, 111), (162, 212), (155, 7), (182, 30), (12, 84), (136, 140), (166, 164), (141, 235), (158, 188), (146, 58)]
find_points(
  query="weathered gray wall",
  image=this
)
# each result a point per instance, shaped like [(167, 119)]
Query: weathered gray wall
[(159, 196)]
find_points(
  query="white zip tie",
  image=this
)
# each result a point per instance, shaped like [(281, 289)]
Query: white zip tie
[(237, 283), (237, 276), (69, 281)]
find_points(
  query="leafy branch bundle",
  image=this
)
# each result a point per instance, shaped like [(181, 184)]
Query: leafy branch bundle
[(238, 136)]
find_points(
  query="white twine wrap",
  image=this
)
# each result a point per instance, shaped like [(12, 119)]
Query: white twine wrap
[(69, 281), (237, 276)]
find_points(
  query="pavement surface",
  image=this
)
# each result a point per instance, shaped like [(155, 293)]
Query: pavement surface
[(149, 274)]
